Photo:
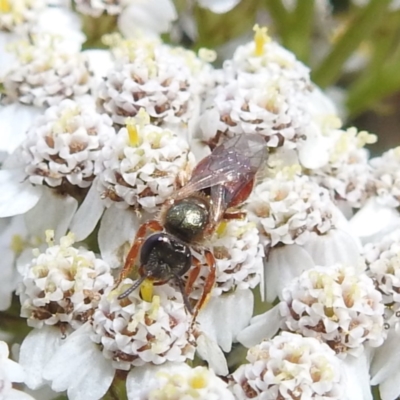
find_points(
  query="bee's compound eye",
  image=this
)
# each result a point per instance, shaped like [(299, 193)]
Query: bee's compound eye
[(162, 257)]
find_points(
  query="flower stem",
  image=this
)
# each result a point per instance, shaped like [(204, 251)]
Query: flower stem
[(385, 55), (358, 30), (117, 389), (279, 14), (297, 38)]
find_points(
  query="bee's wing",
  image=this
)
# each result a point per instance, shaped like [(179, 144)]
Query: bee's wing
[(233, 162)]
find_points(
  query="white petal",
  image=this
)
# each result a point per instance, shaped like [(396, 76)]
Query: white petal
[(36, 350), (386, 359), (63, 23), (225, 316), (372, 219), (141, 380), (314, 152), (17, 196), (199, 149), (53, 211), (100, 61), (88, 215), (355, 370), (79, 367), (151, 17), (14, 394), (7, 59), (117, 229), (390, 389), (284, 264), (263, 326), (209, 351), (8, 284), (336, 246), (219, 6), (15, 120)]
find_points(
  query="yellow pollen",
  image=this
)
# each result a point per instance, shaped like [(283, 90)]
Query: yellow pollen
[(291, 171), (155, 307), (142, 118), (134, 137), (260, 39), (64, 124), (17, 244), (146, 290), (5, 6), (207, 55), (49, 237), (221, 229), (199, 381), (365, 137)]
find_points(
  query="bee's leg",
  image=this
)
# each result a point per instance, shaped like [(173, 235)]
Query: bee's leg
[(235, 215), (193, 274), (134, 250), (208, 284)]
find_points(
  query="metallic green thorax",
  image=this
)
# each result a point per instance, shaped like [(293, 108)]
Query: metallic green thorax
[(187, 218)]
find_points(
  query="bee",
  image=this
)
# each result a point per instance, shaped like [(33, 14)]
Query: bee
[(219, 184)]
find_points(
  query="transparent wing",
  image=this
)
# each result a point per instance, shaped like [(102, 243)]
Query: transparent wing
[(232, 164)]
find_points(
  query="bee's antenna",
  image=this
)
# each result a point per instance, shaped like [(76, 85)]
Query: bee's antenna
[(132, 288)]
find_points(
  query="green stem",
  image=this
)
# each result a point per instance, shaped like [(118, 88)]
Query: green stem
[(361, 27), (96, 28), (382, 84), (117, 389), (298, 35), (385, 52), (375, 393), (279, 14)]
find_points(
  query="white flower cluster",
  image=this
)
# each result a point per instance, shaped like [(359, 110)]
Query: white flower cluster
[(238, 256), (15, 14), (46, 73), (386, 177), (63, 285), (263, 90), (348, 174), (338, 305), (63, 144), (107, 151), (383, 261), (153, 76), (289, 367), (290, 208), (134, 332), (142, 165), (182, 382)]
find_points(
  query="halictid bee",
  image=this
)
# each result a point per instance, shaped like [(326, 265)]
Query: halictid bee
[(220, 183)]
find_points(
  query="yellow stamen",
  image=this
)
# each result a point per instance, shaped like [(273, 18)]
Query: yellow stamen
[(49, 234), (364, 137), (291, 171), (199, 381), (134, 137), (260, 39), (142, 118), (5, 6), (146, 290), (155, 307), (17, 244), (207, 55)]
